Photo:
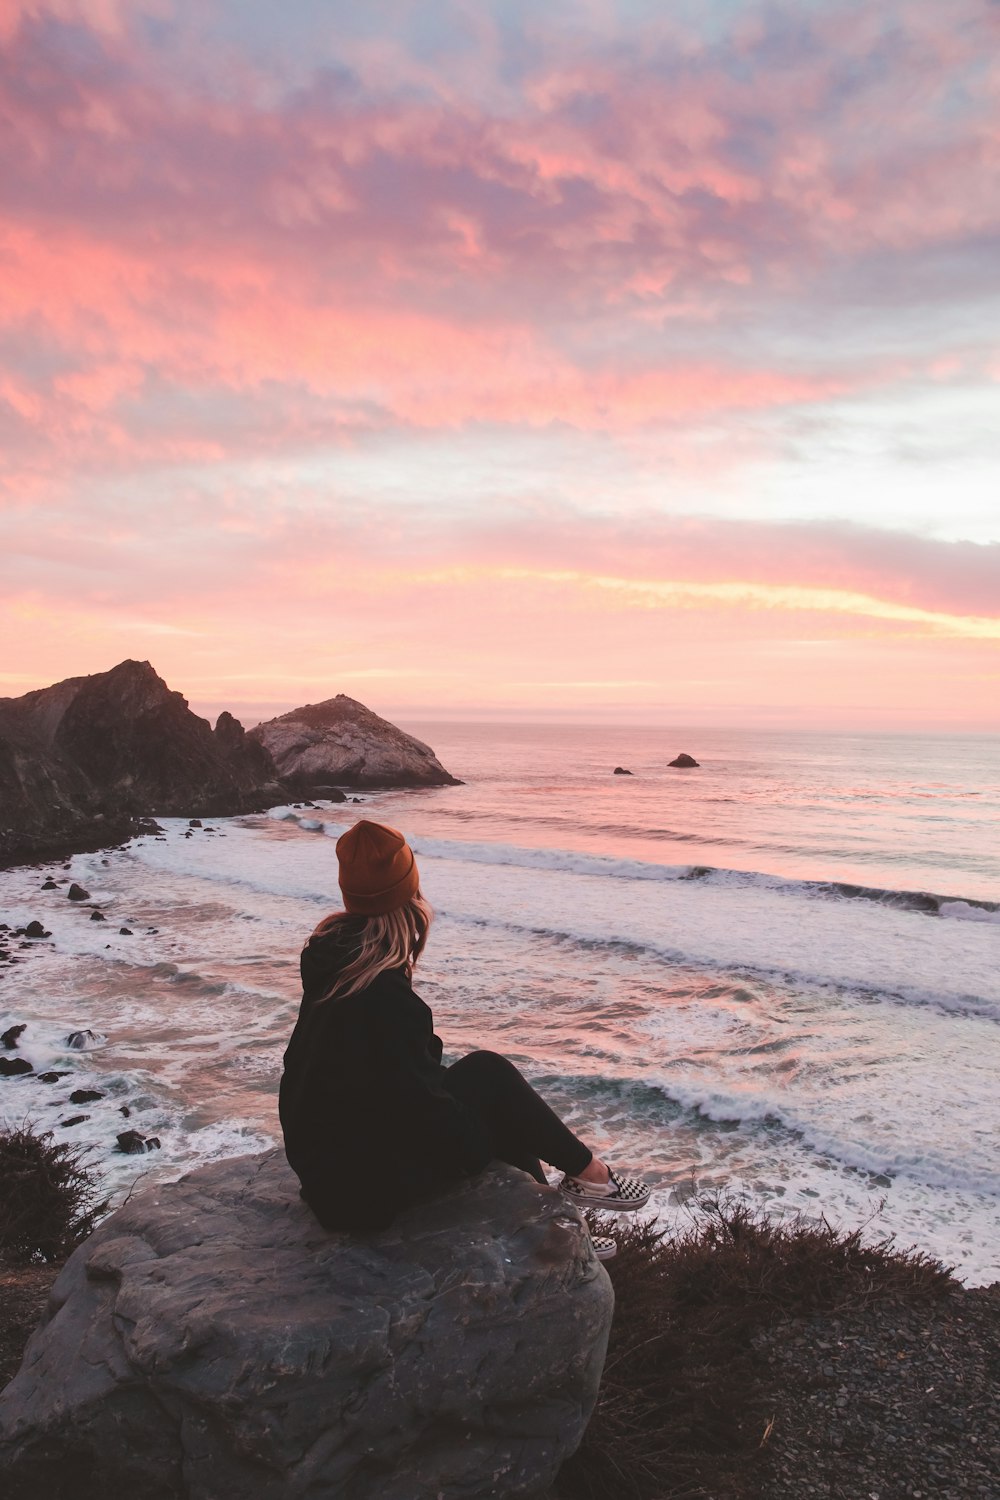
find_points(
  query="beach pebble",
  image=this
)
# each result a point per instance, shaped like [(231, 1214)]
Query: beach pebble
[(77, 893)]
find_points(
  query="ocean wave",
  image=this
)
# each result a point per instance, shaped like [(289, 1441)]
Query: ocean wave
[(895, 1155), (957, 908), (784, 973)]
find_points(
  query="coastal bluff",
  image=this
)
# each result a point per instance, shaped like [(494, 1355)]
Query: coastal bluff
[(82, 760), (210, 1340), (85, 763), (343, 743)]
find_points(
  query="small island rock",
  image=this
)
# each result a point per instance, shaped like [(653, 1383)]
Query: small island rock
[(342, 743), (684, 761), (211, 1341), (620, 771)]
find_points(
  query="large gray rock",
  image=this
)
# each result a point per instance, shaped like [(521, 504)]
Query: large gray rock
[(211, 1341), (342, 742)]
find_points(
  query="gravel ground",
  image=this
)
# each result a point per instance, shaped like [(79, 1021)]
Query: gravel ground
[(896, 1399), (888, 1400)]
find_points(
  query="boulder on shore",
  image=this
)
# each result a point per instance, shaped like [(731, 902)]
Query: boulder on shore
[(342, 743), (684, 760), (212, 1341)]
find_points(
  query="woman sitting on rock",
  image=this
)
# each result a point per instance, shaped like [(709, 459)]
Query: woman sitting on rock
[(371, 1118)]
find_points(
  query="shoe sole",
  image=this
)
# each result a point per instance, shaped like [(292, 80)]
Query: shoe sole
[(605, 1205)]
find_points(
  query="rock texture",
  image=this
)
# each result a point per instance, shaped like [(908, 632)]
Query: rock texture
[(211, 1341), (82, 760), (342, 742), (685, 761)]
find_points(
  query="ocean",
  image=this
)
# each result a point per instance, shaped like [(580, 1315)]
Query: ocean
[(778, 974)]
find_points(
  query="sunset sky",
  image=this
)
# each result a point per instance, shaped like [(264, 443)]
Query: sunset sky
[(536, 360)]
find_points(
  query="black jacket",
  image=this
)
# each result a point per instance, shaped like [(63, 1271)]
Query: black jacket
[(367, 1120)]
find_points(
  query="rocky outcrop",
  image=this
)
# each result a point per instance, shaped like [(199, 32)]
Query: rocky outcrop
[(341, 742), (620, 771), (685, 761), (81, 761), (211, 1341)]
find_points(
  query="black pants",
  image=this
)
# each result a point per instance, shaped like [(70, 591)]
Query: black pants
[(520, 1126)]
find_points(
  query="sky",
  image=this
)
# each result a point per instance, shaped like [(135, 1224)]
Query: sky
[(594, 360)]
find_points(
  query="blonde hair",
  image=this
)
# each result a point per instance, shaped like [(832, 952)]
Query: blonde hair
[(392, 940)]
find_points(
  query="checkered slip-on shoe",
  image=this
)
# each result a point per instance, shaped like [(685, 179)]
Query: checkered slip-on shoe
[(619, 1195), (605, 1248)]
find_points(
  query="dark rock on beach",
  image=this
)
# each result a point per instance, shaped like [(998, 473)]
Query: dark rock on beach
[(77, 893), (51, 1077), (98, 916), (125, 931), (211, 1341), (80, 1041), (85, 1096), (9, 1038), (50, 885), (10, 1067), (131, 1143), (36, 930), (684, 761), (342, 743)]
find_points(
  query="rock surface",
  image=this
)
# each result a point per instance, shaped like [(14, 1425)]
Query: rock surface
[(211, 1341), (684, 760), (342, 742), (82, 760)]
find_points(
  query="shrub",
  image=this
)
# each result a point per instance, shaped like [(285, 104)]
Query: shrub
[(48, 1197), (683, 1411)]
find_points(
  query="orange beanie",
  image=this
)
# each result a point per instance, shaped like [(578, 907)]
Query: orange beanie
[(378, 872)]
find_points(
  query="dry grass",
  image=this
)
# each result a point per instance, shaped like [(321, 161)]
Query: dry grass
[(48, 1200), (683, 1411)]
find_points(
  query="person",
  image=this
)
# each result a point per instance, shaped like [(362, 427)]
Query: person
[(371, 1117)]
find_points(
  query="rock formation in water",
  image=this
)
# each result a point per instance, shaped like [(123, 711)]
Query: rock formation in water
[(211, 1341), (620, 771), (81, 760), (685, 761), (342, 743)]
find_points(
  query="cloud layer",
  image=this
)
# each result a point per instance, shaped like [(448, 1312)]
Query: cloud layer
[(347, 305)]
